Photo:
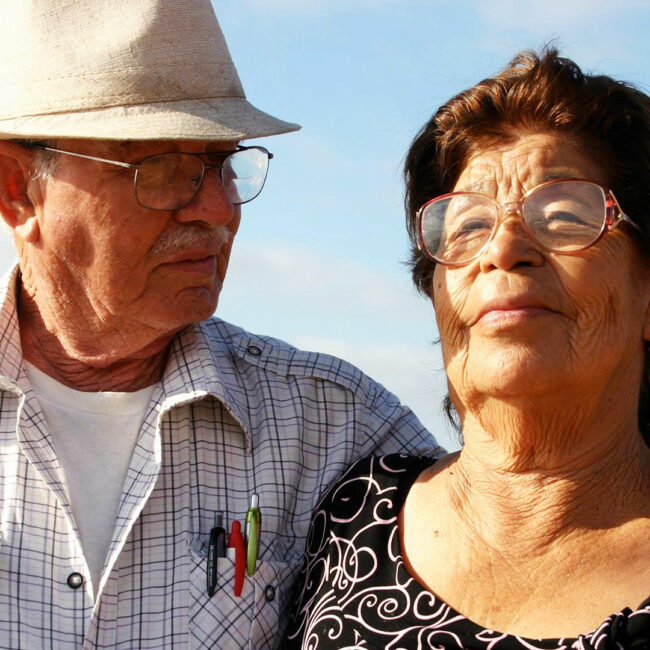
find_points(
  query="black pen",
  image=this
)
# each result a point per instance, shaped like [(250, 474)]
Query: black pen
[(216, 549)]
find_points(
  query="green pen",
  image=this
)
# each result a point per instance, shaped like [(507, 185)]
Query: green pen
[(253, 524)]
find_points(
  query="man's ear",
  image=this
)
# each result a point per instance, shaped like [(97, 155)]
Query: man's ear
[(16, 206)]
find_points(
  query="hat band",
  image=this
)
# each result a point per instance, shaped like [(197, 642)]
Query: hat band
[(125, 87)]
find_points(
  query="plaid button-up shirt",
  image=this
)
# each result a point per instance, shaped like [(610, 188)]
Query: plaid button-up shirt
[(234, 414)]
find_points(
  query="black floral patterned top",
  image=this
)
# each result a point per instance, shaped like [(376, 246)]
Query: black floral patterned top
[(354, 591)]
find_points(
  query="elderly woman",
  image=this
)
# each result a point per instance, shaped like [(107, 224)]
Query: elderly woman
[(528, 201)]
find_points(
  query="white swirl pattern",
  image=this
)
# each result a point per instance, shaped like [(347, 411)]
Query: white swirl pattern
[(355, 592)]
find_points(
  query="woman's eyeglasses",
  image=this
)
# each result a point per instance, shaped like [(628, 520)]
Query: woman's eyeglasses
[(563, 216)]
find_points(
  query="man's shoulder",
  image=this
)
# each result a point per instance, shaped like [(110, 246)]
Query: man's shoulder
[(275, 356), (324, 392)]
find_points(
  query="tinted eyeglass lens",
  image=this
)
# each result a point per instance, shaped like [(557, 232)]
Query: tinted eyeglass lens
[(243, 174), (168, 181), (456, 227), (566, 216)]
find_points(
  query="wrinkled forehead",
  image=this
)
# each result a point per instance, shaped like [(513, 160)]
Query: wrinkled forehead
[(507, 171)]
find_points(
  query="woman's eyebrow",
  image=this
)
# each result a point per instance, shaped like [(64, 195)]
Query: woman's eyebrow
[(483, 186), (556, 176)]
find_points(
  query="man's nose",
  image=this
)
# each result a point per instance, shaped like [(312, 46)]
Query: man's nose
[(210, 204)]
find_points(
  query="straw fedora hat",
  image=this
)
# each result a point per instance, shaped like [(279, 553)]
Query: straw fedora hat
[(120, 70)]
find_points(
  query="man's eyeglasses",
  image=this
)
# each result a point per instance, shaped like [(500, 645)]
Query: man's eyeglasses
[(563, 216), (170, 181)]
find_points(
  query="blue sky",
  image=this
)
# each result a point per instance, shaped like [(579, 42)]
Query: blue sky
[(318, 260)]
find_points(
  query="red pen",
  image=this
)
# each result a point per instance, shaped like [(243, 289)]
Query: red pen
[(236, 541)]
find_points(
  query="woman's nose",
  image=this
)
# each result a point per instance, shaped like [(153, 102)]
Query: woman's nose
[(511, 245)]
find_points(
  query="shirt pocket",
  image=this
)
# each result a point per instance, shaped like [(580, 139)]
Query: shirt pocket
[(256, 620)]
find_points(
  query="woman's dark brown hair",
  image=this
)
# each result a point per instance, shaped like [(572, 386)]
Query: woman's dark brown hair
[(537, 92)]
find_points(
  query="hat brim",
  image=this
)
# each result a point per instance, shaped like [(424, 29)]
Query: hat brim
[(221, 118)]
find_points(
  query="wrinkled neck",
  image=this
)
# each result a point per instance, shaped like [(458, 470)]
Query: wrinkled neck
[(81, 360), (527, 495)]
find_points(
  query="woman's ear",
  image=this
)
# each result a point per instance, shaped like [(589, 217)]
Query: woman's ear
[(16, 206)]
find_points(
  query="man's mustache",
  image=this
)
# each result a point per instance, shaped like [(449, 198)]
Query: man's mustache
[(189, 237)]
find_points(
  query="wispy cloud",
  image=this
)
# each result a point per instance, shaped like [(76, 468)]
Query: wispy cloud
[(504, 12), (306, 6), (592, 32), (278, 272), (551, 16)]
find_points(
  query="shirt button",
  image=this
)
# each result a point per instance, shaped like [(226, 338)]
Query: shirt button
[(254, 350), (269, 593), (75, 580)]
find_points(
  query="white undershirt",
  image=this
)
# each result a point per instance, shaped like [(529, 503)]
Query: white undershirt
[(94, 436)]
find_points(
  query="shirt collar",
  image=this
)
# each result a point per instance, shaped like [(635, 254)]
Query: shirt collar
[(217, 359), (197, 368), (11, 354)]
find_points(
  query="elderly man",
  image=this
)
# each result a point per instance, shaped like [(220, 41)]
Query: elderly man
[(132, 429)]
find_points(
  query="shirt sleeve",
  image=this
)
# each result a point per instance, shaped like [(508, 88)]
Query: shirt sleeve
[(390, 427)]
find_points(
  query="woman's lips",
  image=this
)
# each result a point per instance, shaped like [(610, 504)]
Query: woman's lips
[(512, 316), (512, 310)]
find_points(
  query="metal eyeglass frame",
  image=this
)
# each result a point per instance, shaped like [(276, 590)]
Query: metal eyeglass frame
[(136, 165), (614, 216)]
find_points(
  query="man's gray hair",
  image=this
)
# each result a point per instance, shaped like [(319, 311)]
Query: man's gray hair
[(44, 161)]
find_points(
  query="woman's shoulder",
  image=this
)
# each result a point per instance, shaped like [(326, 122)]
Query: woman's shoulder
[(370, 479), (389, 469), (393, 468), (353, 525)]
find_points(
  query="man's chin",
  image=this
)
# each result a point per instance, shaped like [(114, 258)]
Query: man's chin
[(194, 305), (172, 312)]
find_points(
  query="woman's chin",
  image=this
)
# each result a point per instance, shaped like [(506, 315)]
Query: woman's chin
[(516, 373)]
